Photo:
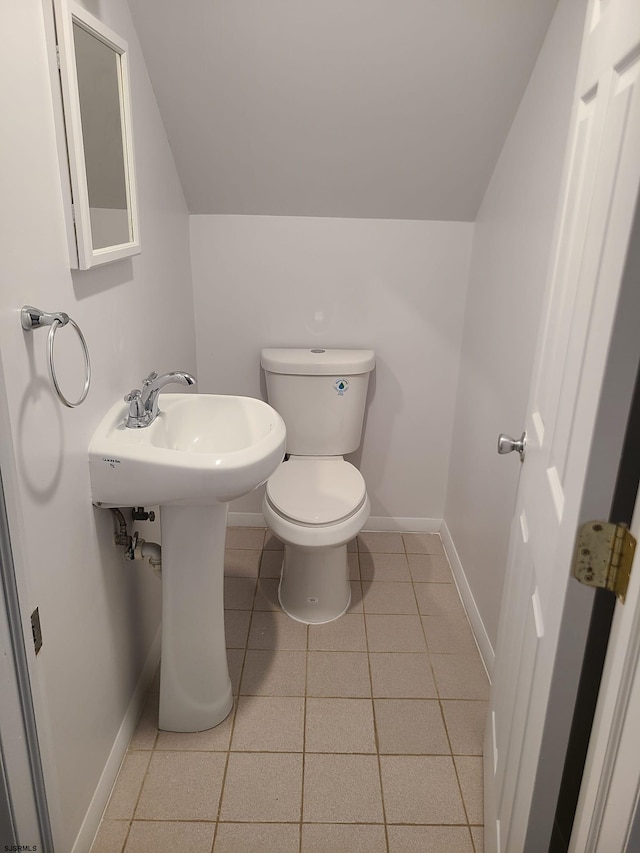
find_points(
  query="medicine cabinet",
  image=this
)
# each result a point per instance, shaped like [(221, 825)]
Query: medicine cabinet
[(94, 77)]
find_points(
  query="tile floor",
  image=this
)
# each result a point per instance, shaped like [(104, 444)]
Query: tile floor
[(361, 736)]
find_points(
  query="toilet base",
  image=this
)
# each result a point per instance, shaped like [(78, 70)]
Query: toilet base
[(314, 585)]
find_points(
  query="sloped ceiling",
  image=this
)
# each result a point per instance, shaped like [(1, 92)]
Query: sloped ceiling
[(346, 108)]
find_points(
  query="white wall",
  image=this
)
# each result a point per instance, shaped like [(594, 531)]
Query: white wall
[(511, 250), (99, 616), (397, 287), (340, 108)]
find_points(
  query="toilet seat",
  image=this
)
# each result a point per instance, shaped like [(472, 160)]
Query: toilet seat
[(316, 490)]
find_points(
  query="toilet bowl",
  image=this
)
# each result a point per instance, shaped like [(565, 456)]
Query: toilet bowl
[(315, 506), (316, 501)]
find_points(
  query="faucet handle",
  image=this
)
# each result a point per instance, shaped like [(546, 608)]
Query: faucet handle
[(134, 399), (150, 378)]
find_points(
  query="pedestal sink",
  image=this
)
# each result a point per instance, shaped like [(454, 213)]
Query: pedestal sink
[(202, 451)]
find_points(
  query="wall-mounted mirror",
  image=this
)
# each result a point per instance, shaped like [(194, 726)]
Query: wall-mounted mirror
[(94, 77)]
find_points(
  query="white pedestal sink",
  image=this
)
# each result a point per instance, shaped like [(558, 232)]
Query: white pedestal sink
[(202, 451)]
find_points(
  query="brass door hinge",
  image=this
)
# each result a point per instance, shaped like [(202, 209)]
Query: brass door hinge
[(603, 556)]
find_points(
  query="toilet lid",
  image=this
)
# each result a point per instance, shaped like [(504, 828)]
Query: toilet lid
[(316, 490)]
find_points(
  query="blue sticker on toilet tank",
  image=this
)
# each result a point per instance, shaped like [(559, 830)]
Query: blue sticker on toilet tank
[(341, 385)]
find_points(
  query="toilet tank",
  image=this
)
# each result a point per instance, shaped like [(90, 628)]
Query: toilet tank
[(320, 394)]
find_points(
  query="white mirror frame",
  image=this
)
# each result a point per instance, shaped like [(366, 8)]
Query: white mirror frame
[(66, 14)]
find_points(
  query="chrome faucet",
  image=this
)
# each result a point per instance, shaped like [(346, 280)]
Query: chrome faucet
[(143, 405)]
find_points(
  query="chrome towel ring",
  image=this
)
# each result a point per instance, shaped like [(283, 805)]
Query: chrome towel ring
[(33, 318)]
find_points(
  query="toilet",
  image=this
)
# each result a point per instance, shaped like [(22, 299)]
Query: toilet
[(315, 501)]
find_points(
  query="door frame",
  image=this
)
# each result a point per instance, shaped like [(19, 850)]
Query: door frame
[(607, 812), (23, 799), (21, 754), (622, 509), (608, 494)]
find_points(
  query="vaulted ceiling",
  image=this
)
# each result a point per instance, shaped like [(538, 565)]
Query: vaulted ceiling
[(346, 108)]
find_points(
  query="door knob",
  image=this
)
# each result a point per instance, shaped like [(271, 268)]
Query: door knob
[(506, 444)]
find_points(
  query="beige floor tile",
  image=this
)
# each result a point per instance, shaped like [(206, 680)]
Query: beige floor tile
[(394, 597), (410, 726), (352, 546), (251, 538), (429, 568), (271, 630), (470, 776), (466, 723), (429, 839), (239, 593), (394, 633), (380, 543), (402, 676), (338, 674), (339, 725), (343, 838), (342, 789), (272, 543), (235, 660), (212, 740), (236, 628), (273, 673), (423, 543), (345, 634), (126, 791), (262, 803), (460, 677), (154, 836), (262, 787), (271, 564), (267, 595), (449, 635), (242, 564), (421, 789), (477, 833), (111, 836), (384, 567), (257, 838), (182, 786), (269, 724), (439, 599)]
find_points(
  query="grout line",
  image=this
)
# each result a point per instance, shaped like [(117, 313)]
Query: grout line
[(135, 807), (426, 657), (446, 730), (236, 701), (304, 739), (375, 734)]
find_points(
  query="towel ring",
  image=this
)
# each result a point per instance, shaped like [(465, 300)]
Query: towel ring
[(34, 318)]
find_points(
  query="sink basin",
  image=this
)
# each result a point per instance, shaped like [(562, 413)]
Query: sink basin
[(201, 449)]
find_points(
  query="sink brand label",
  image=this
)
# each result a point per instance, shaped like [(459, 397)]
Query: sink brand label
[(341, 386), (111, 461)]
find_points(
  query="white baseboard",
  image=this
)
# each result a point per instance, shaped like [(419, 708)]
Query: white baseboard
[(374, 523), (403, 525), (477, 625), (99, 801)]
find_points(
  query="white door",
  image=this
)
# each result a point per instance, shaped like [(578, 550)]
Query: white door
[(609, 796), (592, 235)]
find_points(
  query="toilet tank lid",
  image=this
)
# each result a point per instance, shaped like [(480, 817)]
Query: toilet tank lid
[(318, 361)]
